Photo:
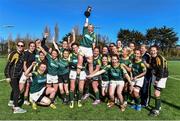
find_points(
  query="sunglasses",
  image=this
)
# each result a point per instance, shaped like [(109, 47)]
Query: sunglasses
[(20, 45)]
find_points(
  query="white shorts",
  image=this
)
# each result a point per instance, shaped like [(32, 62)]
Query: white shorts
[(84, 51), (161, 83), (116, 83), (33, 97), (24, 79), (105, 84), (138, 82), (73, 75), (52, 79)]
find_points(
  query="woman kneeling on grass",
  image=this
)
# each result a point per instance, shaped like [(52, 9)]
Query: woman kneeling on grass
[(116, 73), (38, 89)]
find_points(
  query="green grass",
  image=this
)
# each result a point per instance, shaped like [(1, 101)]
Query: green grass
[(170, 105)]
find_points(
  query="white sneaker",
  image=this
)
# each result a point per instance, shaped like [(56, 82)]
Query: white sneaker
[(125, 103), (26, 102), (19, 110), (154, 112), (11, 103), (85, 96), (96, 102), (116, 101)]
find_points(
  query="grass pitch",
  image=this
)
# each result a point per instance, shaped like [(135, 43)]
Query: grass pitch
[(170, 104)]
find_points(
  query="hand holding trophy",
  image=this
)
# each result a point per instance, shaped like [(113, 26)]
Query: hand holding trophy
[(87, 13)]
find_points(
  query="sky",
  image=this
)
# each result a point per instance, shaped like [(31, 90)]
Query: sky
[(31, 16)]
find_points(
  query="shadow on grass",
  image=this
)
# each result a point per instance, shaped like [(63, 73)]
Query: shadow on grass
[(169, 104)]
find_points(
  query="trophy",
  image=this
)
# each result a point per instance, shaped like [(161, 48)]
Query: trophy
[(87, 13)]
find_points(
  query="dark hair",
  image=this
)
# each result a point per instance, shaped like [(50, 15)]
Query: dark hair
[(118, 40), (67, 50), (131, 43), (64, 41), (112, 44), (104, 55), (20, 41), (74, 44), (40, 52), (37, 40), (115, 55), (137, 50), (96, 48), (42, 63), (55, 51), (105, 46), (31, 43), (155, 46), (115, 46)]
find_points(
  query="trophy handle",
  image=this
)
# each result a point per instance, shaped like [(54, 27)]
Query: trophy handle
[(87, 13)]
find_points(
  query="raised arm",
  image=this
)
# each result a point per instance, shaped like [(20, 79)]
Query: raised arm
[(94, 45), (42, 49), (43, 42), (27, 72), (74, 38), (56, 46), (86, 22)]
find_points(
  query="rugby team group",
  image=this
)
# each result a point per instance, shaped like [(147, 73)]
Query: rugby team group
[(116, 74)]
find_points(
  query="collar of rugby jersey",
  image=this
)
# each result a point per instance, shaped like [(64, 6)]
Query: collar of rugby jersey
[(31, 51), (96, 57), (116, 65), (137, 61), (20, 53), (125, 58), (39, 72)]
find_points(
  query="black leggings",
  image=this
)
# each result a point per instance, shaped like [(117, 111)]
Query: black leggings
[(15, 91)]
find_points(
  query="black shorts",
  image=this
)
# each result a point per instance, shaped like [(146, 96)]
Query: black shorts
[(157, 88), (63, 78), (96, 78)]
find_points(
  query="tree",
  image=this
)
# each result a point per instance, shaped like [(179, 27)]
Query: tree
[(102, 40), (168, 38), (47, 30), (56, 31), (77, 32), (3, 46), (125, 36), (152, 36), (137, 37), (27, 39), (163, 37), (76, 29)]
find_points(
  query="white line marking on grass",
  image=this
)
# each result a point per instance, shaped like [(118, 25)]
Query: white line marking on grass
[(175, 75), (174, 78), (3, 80)]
